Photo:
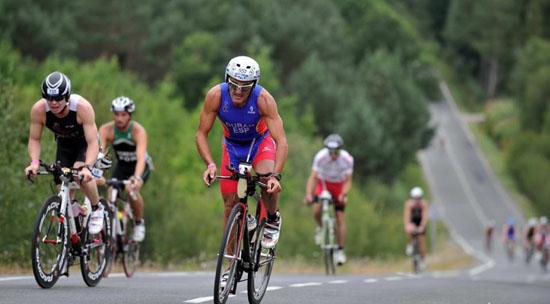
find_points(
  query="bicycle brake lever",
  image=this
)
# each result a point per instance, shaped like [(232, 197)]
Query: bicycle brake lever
[(29, 173)]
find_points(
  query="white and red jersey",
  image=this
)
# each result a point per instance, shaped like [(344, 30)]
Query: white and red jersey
[(334, 171)]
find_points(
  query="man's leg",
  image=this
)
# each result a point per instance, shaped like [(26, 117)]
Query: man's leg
[(270, 199), (340, 228), (89, 188)]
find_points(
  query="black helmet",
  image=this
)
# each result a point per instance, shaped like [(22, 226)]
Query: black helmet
[(56, 86), (334, 142)]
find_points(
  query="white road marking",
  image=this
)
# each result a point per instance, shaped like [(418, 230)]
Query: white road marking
[(203, 299), (370, 280), (338, 282), (306, 284), (15, 278), (389, 279), (270, 288)]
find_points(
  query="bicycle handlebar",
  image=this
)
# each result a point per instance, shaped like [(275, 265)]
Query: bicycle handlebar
[(55, 170), (120, 183), (235, 176)]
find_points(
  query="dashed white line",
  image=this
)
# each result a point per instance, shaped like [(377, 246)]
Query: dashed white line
[(390, 279), (370, 280), (338, 282), (305, 284), (203, 299), (15, 278)]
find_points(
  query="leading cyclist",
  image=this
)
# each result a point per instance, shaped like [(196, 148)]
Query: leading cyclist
[(251, 122), (332, 169), (129, 140), (72, 120)]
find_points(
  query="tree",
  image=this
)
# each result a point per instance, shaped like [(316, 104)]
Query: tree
[(489, 28)]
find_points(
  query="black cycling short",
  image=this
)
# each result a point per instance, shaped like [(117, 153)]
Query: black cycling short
[(66, 156), (124, 172)]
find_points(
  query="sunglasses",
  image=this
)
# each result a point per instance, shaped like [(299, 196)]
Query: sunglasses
[(57, 98), (243, 88), (334, 151)]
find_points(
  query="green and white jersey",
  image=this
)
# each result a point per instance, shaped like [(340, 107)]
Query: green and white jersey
[(125, 148)]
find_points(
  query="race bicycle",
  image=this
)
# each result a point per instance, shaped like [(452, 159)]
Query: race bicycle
[(61, 234), (241, 251), (328, 235), (416, 257), (122, 223)]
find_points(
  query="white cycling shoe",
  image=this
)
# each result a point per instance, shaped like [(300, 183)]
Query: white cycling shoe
[(340, 257), (139, 232), (318, 235), (271, 232), (95, 224), (409, 250)]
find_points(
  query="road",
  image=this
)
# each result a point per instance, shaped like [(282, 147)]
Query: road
[(466, 195)]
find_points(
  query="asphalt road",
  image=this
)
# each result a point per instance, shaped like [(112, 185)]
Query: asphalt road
[(466, 195)]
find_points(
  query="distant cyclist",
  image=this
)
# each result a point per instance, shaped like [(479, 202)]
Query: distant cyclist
[(415, 219), (509, 236), (542, 232), (129, 140), (72, 120), (488, 234), (529, 237), (332, 168)]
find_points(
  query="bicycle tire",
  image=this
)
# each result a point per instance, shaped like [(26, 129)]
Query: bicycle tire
[(232, 232), (112, 245), (47, 270), (415, 256), (258, 277), (130, 249), (93, 260), (330, 267)]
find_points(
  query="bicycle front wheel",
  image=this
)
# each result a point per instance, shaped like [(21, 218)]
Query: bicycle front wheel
[(95, 251), (330, 263), (228, 257), (263, 258), (112, 244), (49, 244)]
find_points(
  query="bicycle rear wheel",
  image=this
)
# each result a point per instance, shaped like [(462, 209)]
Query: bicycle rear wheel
[(49, 244), (263, 258), (228, 257), (95, 251), (131, 248)]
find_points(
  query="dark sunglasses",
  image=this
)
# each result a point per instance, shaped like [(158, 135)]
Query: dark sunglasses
[(55, 98), (334, 151), (244, 88)]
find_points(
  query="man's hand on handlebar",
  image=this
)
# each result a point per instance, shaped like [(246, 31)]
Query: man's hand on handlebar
[(209, 175), (273, 185)]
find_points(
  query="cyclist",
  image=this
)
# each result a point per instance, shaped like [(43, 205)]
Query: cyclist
[(415, 219), (129, 140), (529, 235), (509, 235), (251, 122), (332, 169), (541, 233), (489, 230), (72, 120)]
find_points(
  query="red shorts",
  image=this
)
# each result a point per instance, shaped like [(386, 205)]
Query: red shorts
[(335, 190), (266, 150)]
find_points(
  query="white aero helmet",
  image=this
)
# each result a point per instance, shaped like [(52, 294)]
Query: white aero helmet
[(416, 192), (532, 222), (243, 68), (543, 220), (123, 103), (333, 141)]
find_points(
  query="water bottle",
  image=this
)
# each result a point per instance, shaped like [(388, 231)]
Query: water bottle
[(77, 213), (251, 222)]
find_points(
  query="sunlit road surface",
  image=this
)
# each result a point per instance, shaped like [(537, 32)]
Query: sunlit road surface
[(466, 195)]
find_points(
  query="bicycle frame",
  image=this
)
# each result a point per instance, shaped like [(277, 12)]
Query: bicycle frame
[(327, 221)]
